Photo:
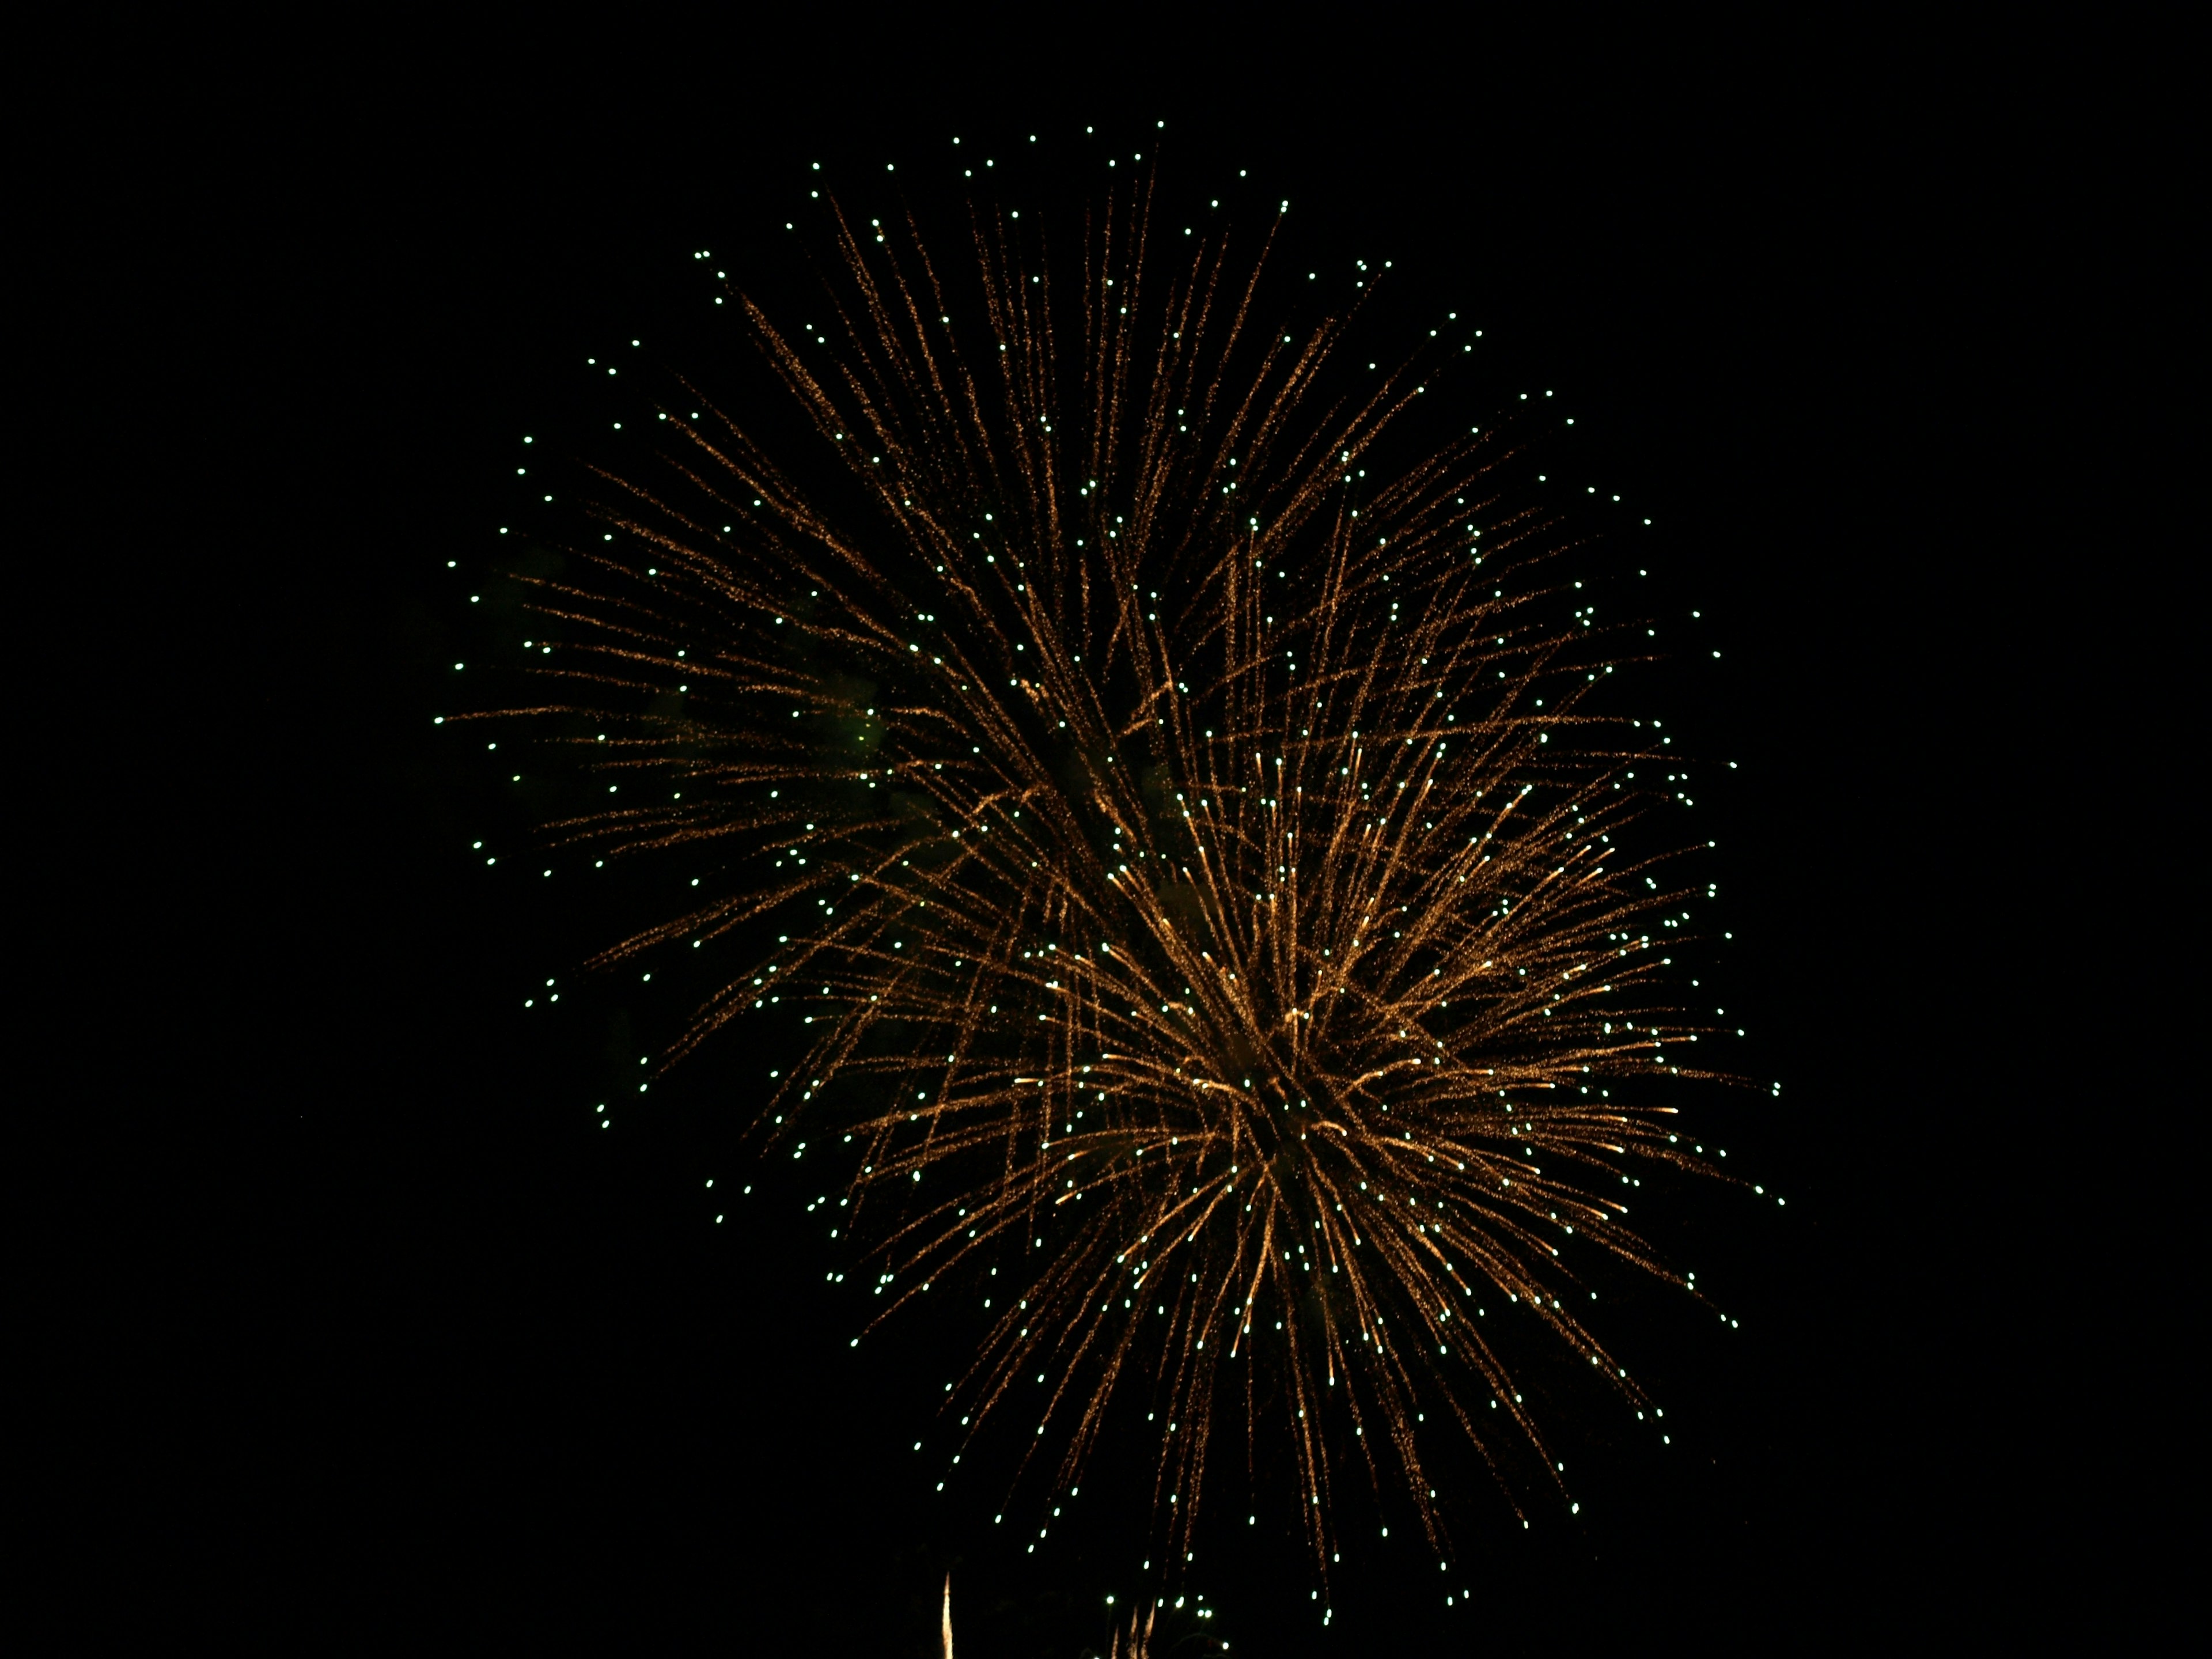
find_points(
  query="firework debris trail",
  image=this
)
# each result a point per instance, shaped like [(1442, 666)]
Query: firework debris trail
[(1194, 861)]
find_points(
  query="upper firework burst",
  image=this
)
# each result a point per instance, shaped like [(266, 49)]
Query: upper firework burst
[(1185, 835)]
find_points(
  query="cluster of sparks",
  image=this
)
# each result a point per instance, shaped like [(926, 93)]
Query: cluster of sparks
[(1190, 870)]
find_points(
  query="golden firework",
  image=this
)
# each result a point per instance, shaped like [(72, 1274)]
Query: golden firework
[(1193, 865)]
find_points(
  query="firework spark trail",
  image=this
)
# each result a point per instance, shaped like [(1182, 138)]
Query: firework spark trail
[(1196, 863)]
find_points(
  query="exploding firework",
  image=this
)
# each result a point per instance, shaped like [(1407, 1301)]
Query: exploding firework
[(1187, 870)]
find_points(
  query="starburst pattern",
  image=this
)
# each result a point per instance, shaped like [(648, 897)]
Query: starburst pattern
[(1191, 869)]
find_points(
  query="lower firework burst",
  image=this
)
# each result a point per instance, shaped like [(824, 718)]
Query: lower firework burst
[(1189, 869)]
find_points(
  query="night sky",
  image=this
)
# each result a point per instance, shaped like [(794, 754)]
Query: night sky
[(416, 1353)]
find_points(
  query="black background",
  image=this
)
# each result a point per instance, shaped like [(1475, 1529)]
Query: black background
[(390, 1344)]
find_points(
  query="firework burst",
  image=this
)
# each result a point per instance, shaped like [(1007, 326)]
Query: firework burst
[(1189, 869)]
